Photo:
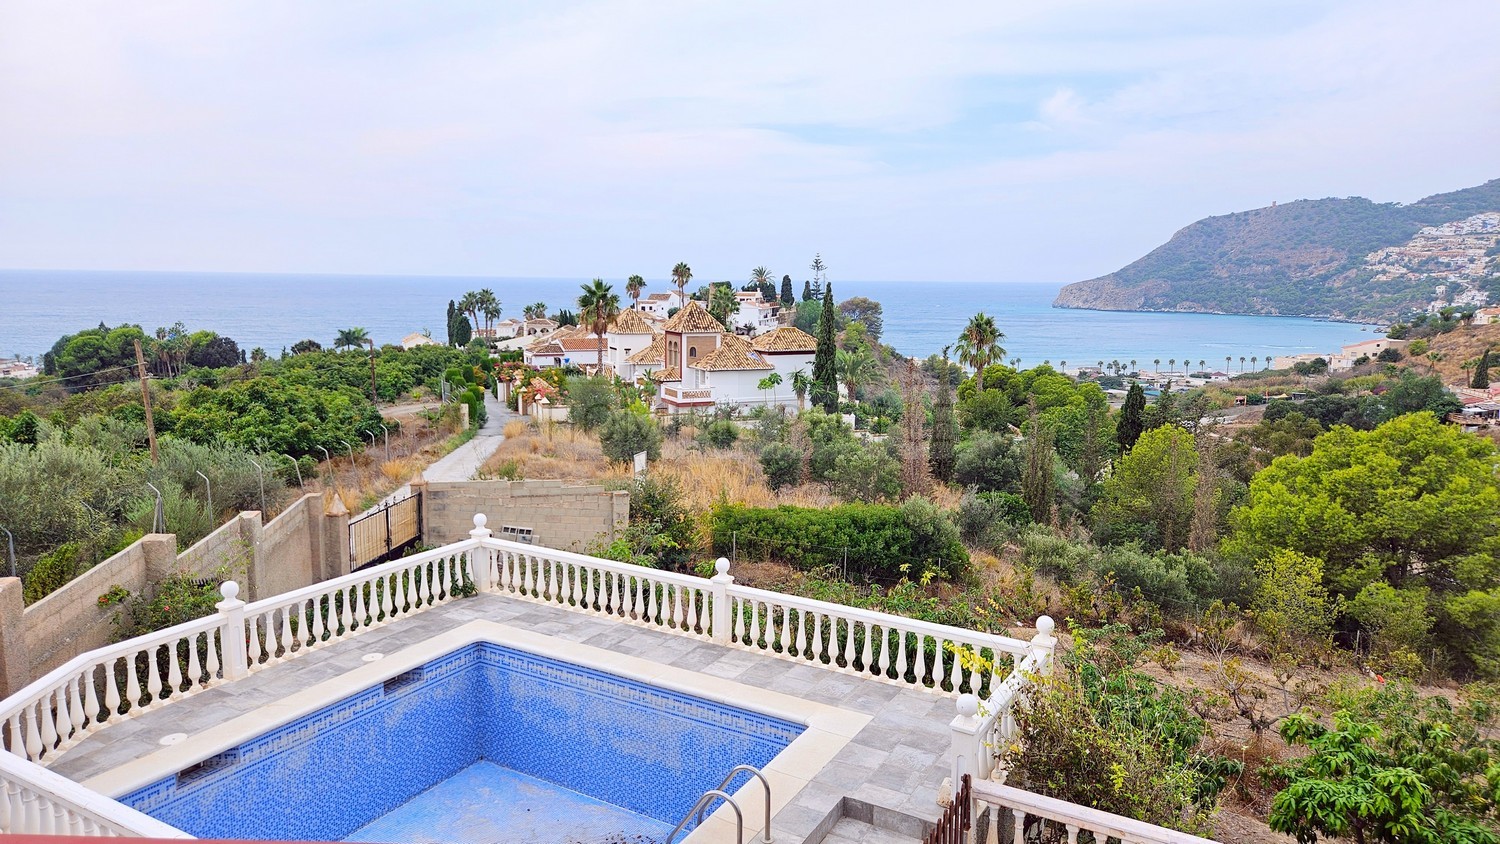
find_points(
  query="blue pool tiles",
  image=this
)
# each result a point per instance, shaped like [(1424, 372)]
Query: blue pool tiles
[(647, 750)]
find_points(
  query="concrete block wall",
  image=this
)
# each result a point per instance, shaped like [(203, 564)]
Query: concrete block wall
[(306, 544), (563, 515)]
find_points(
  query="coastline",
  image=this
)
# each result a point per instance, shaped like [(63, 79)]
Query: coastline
[(1177, 311)]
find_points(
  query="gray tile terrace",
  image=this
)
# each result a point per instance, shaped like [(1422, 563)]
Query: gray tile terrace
[(887, 776)]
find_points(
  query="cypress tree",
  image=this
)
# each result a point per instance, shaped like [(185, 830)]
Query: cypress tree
[(944, 431), (1037, 485), (463, 332), (452, 309), (1482, 372), (787, 299), (1132, 418), (825, 386), (807, 291)]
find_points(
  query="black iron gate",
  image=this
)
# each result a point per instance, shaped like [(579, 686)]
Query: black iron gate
[(384, 534)]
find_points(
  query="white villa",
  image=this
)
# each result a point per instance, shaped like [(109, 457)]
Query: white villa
[(411, 341), (755, 315), (659, 304)]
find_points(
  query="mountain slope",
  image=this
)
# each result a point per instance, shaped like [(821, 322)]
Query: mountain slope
[(1305, 258)]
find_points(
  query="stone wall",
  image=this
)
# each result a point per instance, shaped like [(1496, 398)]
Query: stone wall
[(562, 515), (304, 545)]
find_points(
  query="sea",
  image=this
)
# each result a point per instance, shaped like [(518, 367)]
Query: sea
[(921, 317)]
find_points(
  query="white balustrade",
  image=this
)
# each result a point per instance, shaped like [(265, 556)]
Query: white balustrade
[(35, 801), (1031, 817)]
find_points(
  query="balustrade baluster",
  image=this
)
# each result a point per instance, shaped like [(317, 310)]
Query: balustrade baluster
[(1072, 829), (17, 738), (884, 657), (817, 639), (901, 658), (286, 633), (848, 625), (649, 587), (693, 609), (956, 672), (781, 631), (867, 656), (31, 813), (75, 706), (33, 734), (1020, 829), (257, 640), (6, 823), (799, 637), (174, 670), (573, 574), (153, 675), (195, 665), (755, 637), (111, 688), (361, 612), (736, 626), (346, 613)]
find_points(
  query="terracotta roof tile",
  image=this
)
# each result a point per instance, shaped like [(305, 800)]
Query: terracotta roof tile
[(786, 339), (630, 321), (671, 373), (692, 317), (734, 353), (655, 353)]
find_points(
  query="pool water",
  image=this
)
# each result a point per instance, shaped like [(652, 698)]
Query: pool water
[(483, 744)]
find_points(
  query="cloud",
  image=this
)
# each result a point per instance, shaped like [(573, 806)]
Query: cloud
[(1015, 141)]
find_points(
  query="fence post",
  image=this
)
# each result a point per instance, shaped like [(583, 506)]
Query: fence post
[(966, 746), (1043, 644), (720, 609), (232, 632), (479, 563)]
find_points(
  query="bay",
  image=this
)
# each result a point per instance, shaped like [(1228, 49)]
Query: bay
[(921, 317)]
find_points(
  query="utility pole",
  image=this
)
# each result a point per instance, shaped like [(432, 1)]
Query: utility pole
[(140, 369)]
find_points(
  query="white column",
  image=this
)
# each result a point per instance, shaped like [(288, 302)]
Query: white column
[(720, 593), (479, 558), (232, 631), (966, 753), (1043, 645)]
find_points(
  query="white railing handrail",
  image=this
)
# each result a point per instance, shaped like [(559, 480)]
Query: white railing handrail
[(355, 578), (104, 812), (1099, 822), (31, 692), (600, 563), (997, 643)]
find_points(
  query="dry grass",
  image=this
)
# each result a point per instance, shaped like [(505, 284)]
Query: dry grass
[(517, 428)]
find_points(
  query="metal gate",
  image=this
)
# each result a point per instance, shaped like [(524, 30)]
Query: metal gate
[(385, 533)]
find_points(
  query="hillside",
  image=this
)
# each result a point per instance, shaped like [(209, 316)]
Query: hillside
[(1304, 258)]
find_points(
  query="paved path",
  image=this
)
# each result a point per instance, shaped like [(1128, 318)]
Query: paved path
[(463, 462)]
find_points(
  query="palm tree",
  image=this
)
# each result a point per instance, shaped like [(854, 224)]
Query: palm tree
[(854, 368), (1158, 365), (1015, 363), (1132, 364), (489, 306), (722, 302), (1242, 363), (469, 304), (801, 383), (978, 344), (1171, 365), (350, 338), (681, 275), (1266, 362), (1202, 365), (1062, 367), (1228, 361), (633, 287), (769, 383), (1252, 363), (536, 310), (760, 276), (599, 305)]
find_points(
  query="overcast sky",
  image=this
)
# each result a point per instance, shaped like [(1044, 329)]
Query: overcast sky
[(1020, 140)]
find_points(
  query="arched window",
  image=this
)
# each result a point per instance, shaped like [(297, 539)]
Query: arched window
[(692, 351)]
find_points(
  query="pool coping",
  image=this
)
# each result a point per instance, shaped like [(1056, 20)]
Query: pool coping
[(827, 729)]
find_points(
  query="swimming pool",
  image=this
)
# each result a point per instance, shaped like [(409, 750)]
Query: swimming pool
[(484, 743)]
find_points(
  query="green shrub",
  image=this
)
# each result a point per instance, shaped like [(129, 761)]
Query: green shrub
[(1178, 583), (590, 402), (990, 462), (720, 433), (782, 464), (52, 572), (1046, 552), (865, 474), (881, 540), (174, 600), (661, 525), (984, 518), (625, 434)]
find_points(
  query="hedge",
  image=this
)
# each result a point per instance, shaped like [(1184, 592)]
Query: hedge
[(879, 539)]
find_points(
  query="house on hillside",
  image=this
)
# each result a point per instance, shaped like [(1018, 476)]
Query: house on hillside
[(660, 305), (1487, 316), (755, 315), (631, 332), (569, 346), (411, 341), (699, 365)]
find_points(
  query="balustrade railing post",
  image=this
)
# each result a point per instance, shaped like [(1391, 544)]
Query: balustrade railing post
[(479, 558), (232, 632), (720, 597), (1043, 645), (966, 752)]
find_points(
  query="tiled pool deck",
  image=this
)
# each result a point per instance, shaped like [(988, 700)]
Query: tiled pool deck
[(889, 772)]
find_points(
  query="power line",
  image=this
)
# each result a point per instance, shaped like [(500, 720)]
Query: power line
[(42, 383)]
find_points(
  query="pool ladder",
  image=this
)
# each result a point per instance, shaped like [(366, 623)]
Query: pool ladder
[(739, 818)]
